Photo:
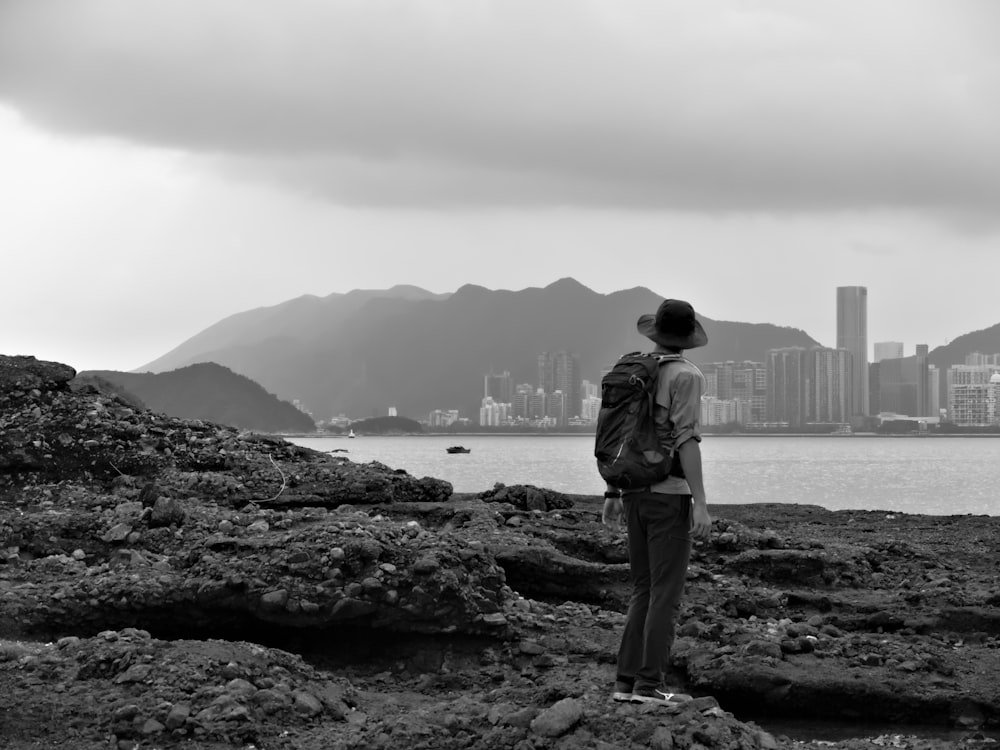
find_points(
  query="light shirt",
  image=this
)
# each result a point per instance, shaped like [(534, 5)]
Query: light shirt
[(678, 413)]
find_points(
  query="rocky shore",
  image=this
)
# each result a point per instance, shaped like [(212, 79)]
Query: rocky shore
[(169, 583)]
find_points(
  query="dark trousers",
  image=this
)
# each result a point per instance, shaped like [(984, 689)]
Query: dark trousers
[(659, 546)]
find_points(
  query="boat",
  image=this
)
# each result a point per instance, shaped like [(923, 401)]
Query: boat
[(458, 449), (350, 434)]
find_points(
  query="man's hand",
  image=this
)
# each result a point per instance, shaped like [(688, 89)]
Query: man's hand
[(701, 522), (614, 512)]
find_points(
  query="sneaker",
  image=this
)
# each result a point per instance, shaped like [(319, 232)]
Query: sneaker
[(658, 695), (623, 692)]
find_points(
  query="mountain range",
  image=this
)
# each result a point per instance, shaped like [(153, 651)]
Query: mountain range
[(361, 352)]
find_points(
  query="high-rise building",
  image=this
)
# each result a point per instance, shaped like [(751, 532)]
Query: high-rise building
[(852, 335), (745, 382), (560, 371), (536, 404), (491, 413), (499, 387), (934, 391), (520, 405), (808, 386), (888, 350), (590, 408), (973, 394), (902, 385), (784, 386), (827, 386), (978, 358), (716, 411), (556, 406)]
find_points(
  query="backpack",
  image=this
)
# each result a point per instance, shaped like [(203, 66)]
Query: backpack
[(628, 451)]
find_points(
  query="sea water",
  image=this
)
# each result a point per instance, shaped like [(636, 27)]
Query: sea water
[(932, 475)]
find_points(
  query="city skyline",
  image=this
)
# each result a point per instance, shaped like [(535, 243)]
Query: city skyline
[(796, 386), (157, 179)]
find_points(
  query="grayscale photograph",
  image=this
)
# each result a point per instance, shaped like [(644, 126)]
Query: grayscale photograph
[(499, 374)]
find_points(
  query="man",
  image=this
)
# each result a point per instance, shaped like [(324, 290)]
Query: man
[(662, 519)]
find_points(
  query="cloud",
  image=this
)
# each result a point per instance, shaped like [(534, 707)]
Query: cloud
[(711, 106)]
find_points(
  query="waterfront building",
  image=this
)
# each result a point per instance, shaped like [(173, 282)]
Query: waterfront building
[(589, 409), (784, 386), (978, 358), (972, 395), (499, 387), (536, 404), (492, 413), (934, 391), (717, 411), (828, 386), (852, 335), (809, 386), (711, 380), (903, 385), (745, 382), (556, 406), (521, 400), (443, 417), (560, 371)]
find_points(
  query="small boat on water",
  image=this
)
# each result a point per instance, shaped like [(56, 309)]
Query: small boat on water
[(458, 449), (350, 434)]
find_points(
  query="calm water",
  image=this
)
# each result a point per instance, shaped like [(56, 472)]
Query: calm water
[(938, 476)]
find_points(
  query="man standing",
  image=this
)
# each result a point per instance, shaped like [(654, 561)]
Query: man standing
[(662, 519)]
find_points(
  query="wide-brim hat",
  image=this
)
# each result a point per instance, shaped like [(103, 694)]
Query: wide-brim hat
[(673, 325)]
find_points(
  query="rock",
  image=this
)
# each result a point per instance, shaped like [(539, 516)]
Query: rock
[(240, 689), (177, 716), (274, 600), (167, 511), (152, 726), (535, 500), (117, 533), (558, 719), (306, 703), (271, 701)]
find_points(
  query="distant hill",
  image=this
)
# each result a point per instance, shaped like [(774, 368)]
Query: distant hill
[(211, 392), (362, 352), (986, 341)]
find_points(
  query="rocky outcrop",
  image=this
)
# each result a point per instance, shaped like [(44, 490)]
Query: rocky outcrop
[(526, 497), (150, 568)]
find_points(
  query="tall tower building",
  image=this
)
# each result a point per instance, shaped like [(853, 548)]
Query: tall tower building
[(827, 387), (852, 335), (521, 401), (499, 387), (785, 386), (560, 371)]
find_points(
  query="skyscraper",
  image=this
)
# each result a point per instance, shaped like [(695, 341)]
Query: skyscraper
[(852, 335), (560, 371), (499, 387), (785, 386)]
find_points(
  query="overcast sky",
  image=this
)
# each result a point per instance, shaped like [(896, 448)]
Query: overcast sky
[(167, 163)]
